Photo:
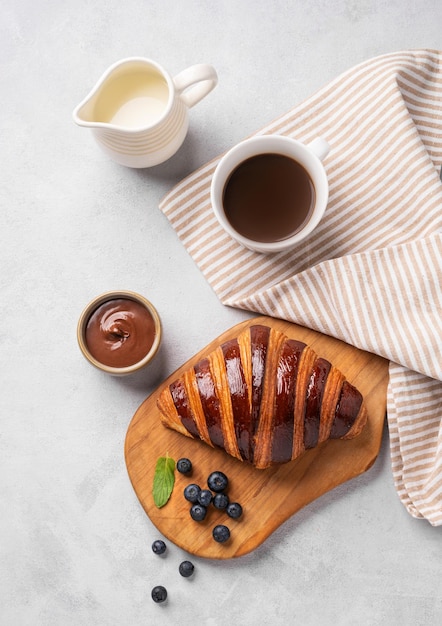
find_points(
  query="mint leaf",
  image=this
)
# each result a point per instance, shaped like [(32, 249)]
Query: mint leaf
[(163, 480)]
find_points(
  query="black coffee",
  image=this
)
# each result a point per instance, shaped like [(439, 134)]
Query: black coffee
[(268, 197)]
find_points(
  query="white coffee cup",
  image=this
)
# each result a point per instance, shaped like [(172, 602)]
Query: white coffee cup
[(309, 157)]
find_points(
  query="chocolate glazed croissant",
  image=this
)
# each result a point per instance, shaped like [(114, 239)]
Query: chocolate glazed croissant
[(264, 398)]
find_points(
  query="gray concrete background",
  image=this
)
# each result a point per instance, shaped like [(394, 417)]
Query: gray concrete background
[(74, 541)]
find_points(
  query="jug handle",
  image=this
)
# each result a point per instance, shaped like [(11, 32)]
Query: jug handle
[(195, 82)]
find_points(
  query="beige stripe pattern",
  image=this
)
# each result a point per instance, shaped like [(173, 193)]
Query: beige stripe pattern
[(371, 274)]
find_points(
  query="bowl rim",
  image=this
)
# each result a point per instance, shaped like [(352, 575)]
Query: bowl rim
[(98, 301)]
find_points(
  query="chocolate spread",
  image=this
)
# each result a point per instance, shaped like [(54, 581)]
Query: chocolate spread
[(120, 332)]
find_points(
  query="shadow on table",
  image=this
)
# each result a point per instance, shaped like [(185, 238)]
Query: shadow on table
[(149, 378)]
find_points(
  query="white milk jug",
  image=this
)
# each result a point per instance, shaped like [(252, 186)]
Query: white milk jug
[(138, 114)]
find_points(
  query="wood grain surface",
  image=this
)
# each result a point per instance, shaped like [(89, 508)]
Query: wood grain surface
[(269, 497)]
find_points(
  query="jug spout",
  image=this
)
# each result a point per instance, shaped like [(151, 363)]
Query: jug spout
[(84, 113), (95, 111), (90, 112)]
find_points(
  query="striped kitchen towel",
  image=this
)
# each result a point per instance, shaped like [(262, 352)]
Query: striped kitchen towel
[(371, 272)]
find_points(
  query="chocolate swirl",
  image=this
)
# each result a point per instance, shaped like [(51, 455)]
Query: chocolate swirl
[(120, 332)]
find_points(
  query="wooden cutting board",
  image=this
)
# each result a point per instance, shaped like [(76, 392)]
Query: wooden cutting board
[(269, 497)]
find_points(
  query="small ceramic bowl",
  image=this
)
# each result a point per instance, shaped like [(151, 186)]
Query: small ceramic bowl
[(86, 316)]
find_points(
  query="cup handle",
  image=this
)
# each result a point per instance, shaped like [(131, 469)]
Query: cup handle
[(194, 83), (320, 147)]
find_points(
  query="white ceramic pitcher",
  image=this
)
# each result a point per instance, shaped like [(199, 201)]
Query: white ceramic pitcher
[(138, 114)]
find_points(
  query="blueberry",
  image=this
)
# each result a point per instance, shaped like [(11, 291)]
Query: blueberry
[(191, 492), (221, 533), (217, 482), (220, 501), (159, 547), (159, 594), (198, 512), (186, 569), (205, 497), (234, 510), (184, 466)]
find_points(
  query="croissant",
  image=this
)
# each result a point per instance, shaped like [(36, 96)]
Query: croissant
[(263, 398)]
